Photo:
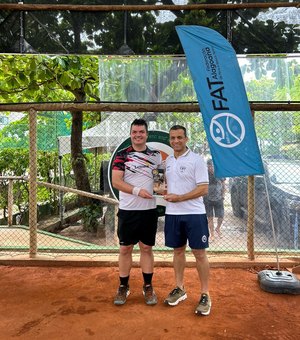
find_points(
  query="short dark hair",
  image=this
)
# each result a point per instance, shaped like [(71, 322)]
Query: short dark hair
[(140, 122), (179, 127)]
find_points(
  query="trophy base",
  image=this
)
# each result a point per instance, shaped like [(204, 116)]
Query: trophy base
[(160, 200)]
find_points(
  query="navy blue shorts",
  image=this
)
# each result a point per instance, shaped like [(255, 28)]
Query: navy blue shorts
[(182, 228), (137, 225)]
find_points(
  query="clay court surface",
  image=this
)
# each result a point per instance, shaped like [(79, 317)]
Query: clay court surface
[(76, 303)]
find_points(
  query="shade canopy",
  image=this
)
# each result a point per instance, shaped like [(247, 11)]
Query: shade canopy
[(109, 133)]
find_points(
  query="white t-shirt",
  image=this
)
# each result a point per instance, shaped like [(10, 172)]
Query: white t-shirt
[(183, 174), (138, 171)]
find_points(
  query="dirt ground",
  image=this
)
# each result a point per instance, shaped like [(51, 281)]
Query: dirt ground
[(76, 303)]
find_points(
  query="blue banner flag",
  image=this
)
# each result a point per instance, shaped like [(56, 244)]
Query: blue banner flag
[(223, 101)]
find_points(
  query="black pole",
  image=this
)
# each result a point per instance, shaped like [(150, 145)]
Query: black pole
[(228, 24), (22, 31)]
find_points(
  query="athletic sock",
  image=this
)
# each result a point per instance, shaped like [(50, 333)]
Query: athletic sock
[(147, 278), (124, 280)]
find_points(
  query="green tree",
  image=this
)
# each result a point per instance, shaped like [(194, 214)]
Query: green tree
[(105, 32), (51, 78), (278, 132), (249, 34)]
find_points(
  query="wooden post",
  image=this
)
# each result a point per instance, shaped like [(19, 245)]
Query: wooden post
[(250, 220), (10, 202), (32, 183), (251, 214)]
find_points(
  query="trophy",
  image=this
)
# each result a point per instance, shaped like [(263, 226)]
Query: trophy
[(159, 181)]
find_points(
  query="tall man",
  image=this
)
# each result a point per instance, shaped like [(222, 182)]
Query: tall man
[(132, 175), (185, 220)]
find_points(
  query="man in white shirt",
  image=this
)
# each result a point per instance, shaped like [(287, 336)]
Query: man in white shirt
[(187, 183), (132, 175)]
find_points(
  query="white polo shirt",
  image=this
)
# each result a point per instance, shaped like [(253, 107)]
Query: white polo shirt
[(183, 174)]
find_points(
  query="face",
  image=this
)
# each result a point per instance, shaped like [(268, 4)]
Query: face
[(138, 135), (178, 141)]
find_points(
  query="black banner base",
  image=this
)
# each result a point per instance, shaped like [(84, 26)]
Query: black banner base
[(279, 282)]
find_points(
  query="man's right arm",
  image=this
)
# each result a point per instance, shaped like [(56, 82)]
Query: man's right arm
[(118, 182), (118, 174)]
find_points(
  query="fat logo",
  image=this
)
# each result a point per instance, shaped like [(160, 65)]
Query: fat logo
[(227, 130)]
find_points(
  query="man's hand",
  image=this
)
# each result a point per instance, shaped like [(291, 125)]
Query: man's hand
[(145, 194), (200, 190), (172, 198)]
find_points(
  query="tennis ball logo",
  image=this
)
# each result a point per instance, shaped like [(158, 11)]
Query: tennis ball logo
[(227, 130)]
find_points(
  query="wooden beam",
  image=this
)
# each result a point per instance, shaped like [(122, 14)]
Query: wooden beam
[(141, 8), (135, 107)]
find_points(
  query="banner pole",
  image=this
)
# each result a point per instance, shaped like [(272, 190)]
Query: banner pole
[(272, 224)]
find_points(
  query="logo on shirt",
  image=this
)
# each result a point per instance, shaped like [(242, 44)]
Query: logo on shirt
[(182, 169)]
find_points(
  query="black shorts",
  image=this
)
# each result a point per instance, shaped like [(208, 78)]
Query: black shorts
[(137, 225)]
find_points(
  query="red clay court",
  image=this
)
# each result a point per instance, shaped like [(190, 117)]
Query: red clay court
[(77, 303)]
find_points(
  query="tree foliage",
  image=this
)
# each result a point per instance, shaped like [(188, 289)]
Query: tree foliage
[(104, 33), (15, 162), (38, 78)]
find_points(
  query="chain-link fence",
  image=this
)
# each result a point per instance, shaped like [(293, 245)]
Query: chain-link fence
[(72, 222)]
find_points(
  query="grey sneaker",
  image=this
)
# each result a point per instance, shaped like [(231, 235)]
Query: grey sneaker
[(122, 294), (175, 297), (149, 294), (204, 305)]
